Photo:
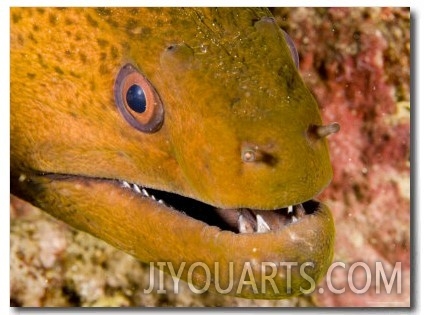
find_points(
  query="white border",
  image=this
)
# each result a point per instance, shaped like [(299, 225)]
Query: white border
[(418, 162)]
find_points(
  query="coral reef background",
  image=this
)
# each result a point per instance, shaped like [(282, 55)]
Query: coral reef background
[(356, 61)]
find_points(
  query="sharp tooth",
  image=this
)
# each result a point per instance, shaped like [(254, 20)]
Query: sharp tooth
[(161, 201), (136, 188), (244, 225), (294, 219), (290, 209), (154, 198), (145, 193), (126, 184), (261, 225)]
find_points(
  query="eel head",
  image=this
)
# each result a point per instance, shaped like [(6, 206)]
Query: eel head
[(176, 135)]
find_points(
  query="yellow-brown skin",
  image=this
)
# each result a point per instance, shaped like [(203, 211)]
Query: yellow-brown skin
[(230, 84)]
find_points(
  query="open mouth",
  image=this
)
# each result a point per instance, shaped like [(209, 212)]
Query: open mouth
[(154, 225), (242, 220)]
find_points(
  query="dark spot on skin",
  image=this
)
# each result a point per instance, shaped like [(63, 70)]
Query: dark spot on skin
[(234, 101), (125, 46), (206, 166), (70, 105), (289, 79), (146, 31), (114, 52), (58, 70), (131, 24), (112, 23), (103, 11), (121, 154), (102, 56), (281, 72), (68, 53), (72, 73), (16, 17), (20, 39), (290, 82), (53, 19), (78, 36), (36, 28), (102, 43), (160, 23), (92, 85), (40, 11), (41, 61), (103, 69), (68, 21), (91, 21), (134, 11), (31, 75), (83, 57), (88, 221), (32, 38)]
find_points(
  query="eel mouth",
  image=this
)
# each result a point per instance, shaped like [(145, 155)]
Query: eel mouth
[(154, 225), (239, 220), (236, 220)]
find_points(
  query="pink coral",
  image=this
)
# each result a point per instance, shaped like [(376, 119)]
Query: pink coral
[(356, 61)]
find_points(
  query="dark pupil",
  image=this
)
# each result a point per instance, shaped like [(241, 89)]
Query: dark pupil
[(135, 99)]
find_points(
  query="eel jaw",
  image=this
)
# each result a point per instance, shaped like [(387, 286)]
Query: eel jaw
[(150, 231), (241, 220)]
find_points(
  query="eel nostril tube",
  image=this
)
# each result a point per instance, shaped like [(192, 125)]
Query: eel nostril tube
[(249, 155), (254, 154), (323, 131)]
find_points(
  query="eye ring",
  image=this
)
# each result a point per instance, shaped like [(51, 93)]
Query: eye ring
[(137, 100)]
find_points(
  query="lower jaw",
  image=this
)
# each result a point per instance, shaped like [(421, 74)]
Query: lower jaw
[(153, 233)]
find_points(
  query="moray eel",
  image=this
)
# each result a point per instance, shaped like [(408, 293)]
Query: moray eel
[(176, 135)]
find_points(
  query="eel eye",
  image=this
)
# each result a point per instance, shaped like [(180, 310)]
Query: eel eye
[(292, 48), (137, 100)]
